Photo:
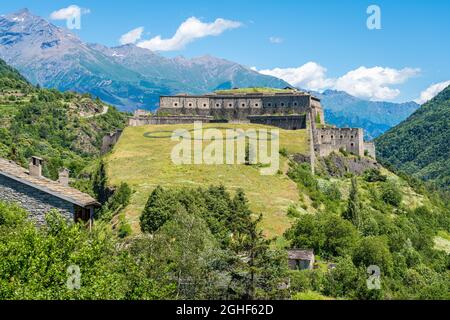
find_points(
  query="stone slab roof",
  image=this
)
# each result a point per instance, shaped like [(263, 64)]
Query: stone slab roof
[(300, 254), (13, 171)]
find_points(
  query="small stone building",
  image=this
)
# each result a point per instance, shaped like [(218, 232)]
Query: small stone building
[(300, 259), (38, 195)]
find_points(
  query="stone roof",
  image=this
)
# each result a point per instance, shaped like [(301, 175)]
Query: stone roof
[(301, 254), (13, 171)]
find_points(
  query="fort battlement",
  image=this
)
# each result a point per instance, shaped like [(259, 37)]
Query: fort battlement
[(288, 109), (240, 105)]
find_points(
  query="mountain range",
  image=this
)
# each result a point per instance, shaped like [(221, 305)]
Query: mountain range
[(376, 117), (127, 76), (131, 77)]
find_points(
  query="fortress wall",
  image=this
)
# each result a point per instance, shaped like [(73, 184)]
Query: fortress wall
[(110, 140), (328, 140), (370, 148), (293, 122), (234, 106), (136, 122)]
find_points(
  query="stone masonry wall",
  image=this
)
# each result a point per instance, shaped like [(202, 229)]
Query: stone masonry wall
[(234, 107), (110, 140), (370, 148), (142, 121), (36, 202), (289, 122), (327, 140)]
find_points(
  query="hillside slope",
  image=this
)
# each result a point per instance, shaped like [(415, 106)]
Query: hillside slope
[(420, 145), (148, 149), (66, 129)]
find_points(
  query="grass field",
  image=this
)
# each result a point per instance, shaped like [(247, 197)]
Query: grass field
[(142, 159)]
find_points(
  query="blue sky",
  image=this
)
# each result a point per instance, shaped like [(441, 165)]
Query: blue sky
[(411, 49)]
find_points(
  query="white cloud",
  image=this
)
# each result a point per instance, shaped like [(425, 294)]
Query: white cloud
[(311, 76), (132, 36), (432, 91), (187, 32), (276, 40), (369, 83), (374, 83), (68, 13)]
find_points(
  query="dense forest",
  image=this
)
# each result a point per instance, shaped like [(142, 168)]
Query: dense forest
[(420, 146)]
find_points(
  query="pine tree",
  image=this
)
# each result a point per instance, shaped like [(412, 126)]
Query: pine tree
[(161, 206)]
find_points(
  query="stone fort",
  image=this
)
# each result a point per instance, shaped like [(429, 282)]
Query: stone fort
[(289, 109)]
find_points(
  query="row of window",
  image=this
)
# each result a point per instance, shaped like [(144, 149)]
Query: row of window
[(243, 105), (341, 137)]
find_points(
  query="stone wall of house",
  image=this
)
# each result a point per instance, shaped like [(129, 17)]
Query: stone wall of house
[(36, 202)]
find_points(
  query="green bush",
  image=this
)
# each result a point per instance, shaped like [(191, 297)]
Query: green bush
[(374, 175), (391, 194), (374, 251)]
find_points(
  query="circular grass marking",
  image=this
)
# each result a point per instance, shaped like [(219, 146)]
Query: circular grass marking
[(151, 134)]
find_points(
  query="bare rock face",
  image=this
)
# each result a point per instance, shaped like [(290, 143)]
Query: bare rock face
[(337, 165)]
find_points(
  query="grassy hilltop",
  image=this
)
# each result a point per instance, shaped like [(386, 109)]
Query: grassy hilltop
[(145, 163)]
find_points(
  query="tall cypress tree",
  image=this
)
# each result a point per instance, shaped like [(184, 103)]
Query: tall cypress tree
[(353, 212), (100, 183)]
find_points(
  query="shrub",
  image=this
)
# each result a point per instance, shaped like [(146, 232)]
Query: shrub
[(11, 215), (293, 212), (284, 152), (374, 251), (332, 192), (374, 175), (124, 228), (391, 194), (328, 235), (161, 206)]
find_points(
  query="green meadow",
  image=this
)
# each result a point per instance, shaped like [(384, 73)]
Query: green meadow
[(142, 158)]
